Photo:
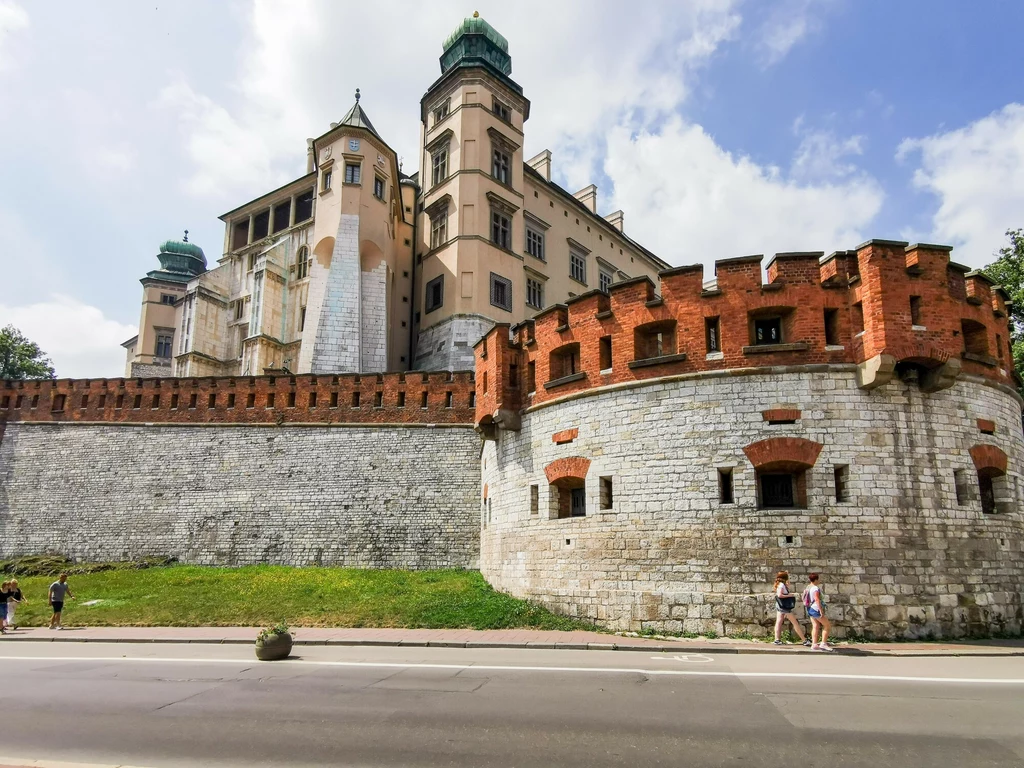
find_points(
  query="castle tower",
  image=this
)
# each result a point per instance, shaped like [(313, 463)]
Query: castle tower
[(150, 353), (471, 214)]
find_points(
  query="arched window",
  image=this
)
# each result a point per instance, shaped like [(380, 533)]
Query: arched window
[(302, 263)]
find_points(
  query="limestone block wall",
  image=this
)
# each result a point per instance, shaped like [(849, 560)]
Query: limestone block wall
[(374, 319), (400, 496), (337, 343), (448, 346), (902, 556)]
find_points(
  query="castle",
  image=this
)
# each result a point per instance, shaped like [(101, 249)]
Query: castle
[(644, 454)]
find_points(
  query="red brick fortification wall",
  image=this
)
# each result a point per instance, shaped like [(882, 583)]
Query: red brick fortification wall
[(891, 308), (390, 398)]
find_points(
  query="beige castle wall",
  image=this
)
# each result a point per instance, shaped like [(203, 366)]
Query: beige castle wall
[(900, 558)]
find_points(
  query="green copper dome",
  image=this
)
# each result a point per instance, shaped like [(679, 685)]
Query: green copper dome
[(476, 43), (180, 261), (184, 248)]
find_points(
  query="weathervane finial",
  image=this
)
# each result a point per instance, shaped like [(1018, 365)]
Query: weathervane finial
[(476, 14), (357, 95), (186, 236)]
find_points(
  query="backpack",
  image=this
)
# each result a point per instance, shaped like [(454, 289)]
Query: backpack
[(807, 598)]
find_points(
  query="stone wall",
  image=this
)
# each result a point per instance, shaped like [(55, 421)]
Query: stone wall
[(375, 496), (902, 556), (448, 345)]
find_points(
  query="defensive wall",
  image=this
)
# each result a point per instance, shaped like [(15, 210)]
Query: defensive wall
[(656, 453), (378, 470)]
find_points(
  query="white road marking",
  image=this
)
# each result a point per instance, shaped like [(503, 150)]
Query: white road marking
[(692, 658), (516, 668)]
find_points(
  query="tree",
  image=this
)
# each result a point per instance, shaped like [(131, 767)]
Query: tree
[(21, 358), (1008, 271)]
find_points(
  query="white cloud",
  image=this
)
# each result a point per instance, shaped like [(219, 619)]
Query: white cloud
[(788, 23), (13, 18), (81, 341), (977, 172), (694, 202), (822, 155)]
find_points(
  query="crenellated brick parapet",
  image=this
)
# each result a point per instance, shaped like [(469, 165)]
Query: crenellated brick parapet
[(390, 398), (892, 309)]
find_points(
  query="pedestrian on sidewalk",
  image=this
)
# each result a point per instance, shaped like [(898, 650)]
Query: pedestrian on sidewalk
[(12, 602), (814, 601), (58, 591), (4, 594), (785, 604)]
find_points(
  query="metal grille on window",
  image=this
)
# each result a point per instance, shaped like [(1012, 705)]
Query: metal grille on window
[(501, 292), (777, 490)]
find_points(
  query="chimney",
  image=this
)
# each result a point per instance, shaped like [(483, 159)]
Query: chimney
[(542, 164), (588, 196), (310, 156), (615, 219)]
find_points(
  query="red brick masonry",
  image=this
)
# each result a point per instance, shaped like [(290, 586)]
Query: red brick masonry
[(575, 467), (909, 302), (389, 398), (565, 436)]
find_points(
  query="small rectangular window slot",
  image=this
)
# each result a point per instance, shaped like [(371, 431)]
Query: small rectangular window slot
[(781, 421), (725, 491)]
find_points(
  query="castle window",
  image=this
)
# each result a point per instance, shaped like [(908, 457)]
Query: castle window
[(604, 280), (500, 164), (988, 494), (303, 262), (606, 492), (605, 352), (915, 311), (502, 111), (167, 298), (535, 243), (291, 399), (442, 111), (174, 401), (423, 400), (333, 400), (534, 499), (831, 327), (240, 234), (378, 187), (534, 293), (768, 330), (261, 225), (654, 340), (975, 337), (302, 319), (58, 403), (231, 399), (448, 402), (312, 399), (725, 494), (858, 318), (7, 400), (435, 293), (439, 230), (304, 206), (355, 399), (531, 376), (578, 267), (271, 397), (513, 376), (565, 361), (211, 400), (472, 399), (378, 400), (250, 400), (282, 216), (841, 475), (352, 173), (712, 335), (193, 401), (781, 490), (325, 179), (401, 399), (238, 308), (501, 230), (136, 403), (501, 292), (439, 165), (164, 343), (35, 401)]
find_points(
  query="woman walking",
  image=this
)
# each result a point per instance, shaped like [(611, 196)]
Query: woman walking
[(814, 600), (4, 594), (15, 597), (785, 602)]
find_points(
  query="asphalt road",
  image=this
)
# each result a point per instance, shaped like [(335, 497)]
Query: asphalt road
[(178, 705)]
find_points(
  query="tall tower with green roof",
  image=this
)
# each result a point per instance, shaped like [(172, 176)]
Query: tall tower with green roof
[(471, 182)]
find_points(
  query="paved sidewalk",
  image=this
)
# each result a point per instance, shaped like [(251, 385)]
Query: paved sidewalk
[(510, 638)]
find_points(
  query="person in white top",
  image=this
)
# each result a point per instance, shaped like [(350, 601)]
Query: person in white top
[(814, 600), (785, 603)]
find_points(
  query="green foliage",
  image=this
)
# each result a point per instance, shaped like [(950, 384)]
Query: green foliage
[(1008, 271), (22, 359), (52, 565), (260, 595), (281, 628)]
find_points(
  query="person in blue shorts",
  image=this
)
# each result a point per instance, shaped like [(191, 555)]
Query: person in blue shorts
[(814, 601)]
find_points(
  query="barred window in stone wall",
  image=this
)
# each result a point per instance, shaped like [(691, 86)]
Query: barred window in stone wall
[(435, 293), (534, 293), (501, 292)]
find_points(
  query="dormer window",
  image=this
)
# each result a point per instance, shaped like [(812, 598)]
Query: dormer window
[(502, 111)]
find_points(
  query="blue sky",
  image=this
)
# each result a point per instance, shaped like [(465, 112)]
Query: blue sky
[(721, 128)]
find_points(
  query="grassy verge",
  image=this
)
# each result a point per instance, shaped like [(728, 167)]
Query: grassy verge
[(181, 595)]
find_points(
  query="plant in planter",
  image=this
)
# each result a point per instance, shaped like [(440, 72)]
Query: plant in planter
[(274, 643)]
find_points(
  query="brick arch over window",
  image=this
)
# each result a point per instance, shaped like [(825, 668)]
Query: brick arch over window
[(784, 454), (572, 468), (923, 354), (989, 459)]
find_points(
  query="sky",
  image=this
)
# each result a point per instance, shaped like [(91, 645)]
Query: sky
[(721, 127)]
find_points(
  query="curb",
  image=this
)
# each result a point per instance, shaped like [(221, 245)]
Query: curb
[(671, 648)]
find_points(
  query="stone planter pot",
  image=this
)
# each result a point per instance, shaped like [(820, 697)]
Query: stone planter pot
[(274, 647)]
